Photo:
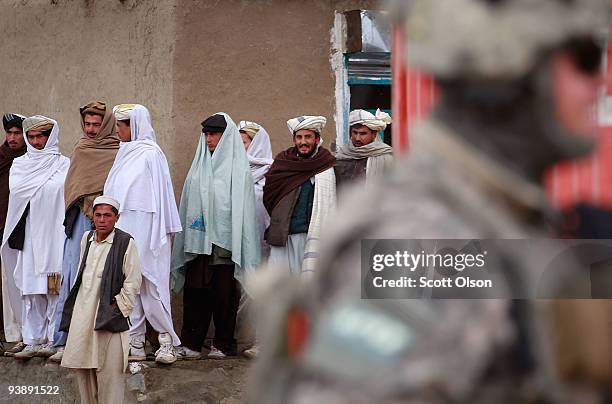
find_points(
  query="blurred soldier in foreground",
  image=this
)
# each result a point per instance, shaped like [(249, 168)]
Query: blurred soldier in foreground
[(518, 81)]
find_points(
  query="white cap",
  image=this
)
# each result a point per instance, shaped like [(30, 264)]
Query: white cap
[(106, 200)]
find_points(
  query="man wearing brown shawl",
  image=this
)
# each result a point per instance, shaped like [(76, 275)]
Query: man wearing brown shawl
[(90, 164), (299, 194), (13, 147)]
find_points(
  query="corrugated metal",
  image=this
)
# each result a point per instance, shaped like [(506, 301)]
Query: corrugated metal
[(369, 67)]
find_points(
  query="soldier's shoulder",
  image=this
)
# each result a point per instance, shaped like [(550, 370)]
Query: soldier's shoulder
[(403, 205)]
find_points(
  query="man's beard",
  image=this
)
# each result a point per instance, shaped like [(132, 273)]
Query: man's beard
[(306, 155)]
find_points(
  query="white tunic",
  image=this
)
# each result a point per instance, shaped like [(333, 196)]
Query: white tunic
[(86, 348)]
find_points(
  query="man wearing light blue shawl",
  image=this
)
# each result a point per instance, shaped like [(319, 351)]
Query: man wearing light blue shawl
[(219, 244)]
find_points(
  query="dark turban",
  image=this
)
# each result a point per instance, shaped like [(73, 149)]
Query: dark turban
[(215, 123), (11, 120)]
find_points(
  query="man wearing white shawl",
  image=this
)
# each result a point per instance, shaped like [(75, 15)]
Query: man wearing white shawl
[(219, 244), (33, 239), (299, 194), (365, 155), (259, 153), (140, 181)]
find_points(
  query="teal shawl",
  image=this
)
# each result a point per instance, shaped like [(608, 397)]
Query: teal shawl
[(218, 207)]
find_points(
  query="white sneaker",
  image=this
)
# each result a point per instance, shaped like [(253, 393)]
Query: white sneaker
[(184, 353), (57, 356), (165, 354), (46, 350), (28, 352), (137, 351), (252, 352), (215, 353)]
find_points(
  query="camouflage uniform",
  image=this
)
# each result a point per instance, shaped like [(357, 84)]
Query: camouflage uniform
[(473, 173)]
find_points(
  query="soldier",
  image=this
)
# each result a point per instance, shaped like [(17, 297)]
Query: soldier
[(519, 81)]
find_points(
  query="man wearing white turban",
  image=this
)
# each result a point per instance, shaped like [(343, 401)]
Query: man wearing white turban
[(33, 239), (299, 194), (140, 181), (365, 155)]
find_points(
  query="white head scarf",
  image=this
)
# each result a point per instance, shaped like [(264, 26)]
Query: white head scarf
[(260, 155), (315, 123), (152, 193), (140, 124), (260, 158), (376, 122)]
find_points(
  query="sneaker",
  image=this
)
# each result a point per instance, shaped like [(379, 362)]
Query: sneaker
[(165, 354), (215, 353), (28, 352), (137, 351), (57, 356), (252, 352), (18, 347), (186, 354), (46, 350)]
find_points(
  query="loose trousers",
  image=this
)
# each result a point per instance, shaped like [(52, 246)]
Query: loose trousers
[(105, 385), (211, 291), (38, 318)]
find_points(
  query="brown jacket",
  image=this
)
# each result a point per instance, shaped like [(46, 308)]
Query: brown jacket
[(280, 219), (347, 171)]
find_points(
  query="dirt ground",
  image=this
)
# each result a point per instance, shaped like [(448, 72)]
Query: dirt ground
[(202, 381)]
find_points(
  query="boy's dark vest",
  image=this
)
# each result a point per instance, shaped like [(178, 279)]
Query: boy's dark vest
[(109, 317)]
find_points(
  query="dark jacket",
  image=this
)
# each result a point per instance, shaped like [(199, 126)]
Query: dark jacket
[(302, 211), (348, 171), (109, 317), (280, 219)]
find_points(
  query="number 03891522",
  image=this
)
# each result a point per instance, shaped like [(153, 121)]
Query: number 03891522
[(25, 390)]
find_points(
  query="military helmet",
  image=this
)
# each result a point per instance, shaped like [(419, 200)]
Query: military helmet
[(493, 39)]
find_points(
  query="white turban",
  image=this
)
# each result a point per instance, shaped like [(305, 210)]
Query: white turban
[(122, 111), (250, 128), (376, 122), (315, 123), (106, 200)]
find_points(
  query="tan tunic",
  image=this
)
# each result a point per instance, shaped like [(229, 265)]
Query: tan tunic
[(86, 348)]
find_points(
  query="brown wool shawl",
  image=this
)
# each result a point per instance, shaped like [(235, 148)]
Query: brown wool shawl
[(91, 161), (7, 155), (290, 171)]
